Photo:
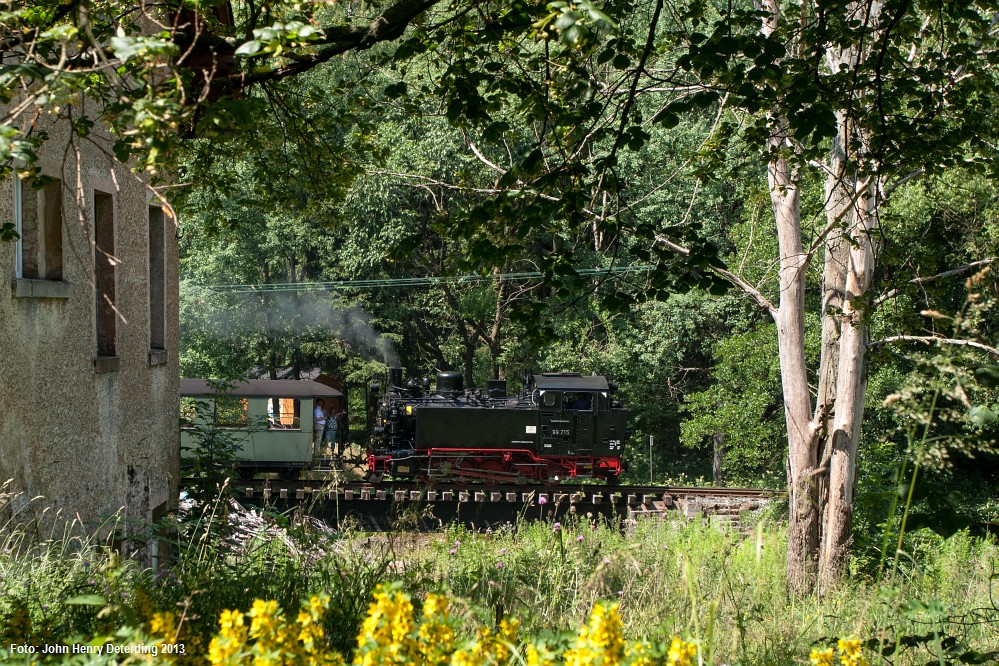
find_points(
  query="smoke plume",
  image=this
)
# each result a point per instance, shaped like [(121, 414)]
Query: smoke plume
[(236, 315)]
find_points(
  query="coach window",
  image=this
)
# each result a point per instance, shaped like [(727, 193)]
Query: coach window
[(284, 414), (231, 412), (550, 398), (188, 412)]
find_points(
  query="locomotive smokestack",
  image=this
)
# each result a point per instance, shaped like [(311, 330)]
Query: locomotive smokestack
[(395, 377)]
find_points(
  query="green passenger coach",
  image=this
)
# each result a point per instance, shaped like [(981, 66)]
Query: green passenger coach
[(271, 421)]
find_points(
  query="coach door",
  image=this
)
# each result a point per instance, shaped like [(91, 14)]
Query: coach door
[(577, 409)]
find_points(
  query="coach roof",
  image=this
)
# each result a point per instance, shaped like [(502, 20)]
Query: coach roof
[(263, 388)]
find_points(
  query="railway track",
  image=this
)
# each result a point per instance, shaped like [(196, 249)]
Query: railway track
[(417, 506)]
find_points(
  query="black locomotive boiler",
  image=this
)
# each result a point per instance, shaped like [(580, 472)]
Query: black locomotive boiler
[(561, 426)]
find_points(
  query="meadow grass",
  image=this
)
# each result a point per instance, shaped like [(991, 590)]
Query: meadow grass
[(723, 588), (720, 588)]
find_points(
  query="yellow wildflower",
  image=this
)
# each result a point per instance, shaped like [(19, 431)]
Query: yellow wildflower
[(850, 654), (639, 654), (435, 635), (489, 647), (600, 641), (163, 625), (463, 658), (275, 640), (385, 633), (681, 653), (309, 621), (539, 655), (226, 647), (821, 657), (264, 618)]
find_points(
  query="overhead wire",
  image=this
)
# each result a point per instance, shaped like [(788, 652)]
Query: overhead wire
[(426, 281)]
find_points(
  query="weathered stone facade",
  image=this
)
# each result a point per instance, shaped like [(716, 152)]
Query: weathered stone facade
[(88, 384)]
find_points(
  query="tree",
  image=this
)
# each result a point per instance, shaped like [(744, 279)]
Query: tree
[(830, 88)]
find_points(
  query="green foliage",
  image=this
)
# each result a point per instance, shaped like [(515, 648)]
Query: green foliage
[(743, 404)]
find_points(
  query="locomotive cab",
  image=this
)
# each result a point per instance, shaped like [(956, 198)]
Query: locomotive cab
[(576, 416)]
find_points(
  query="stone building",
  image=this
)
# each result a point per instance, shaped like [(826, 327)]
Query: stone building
[(88, 338)]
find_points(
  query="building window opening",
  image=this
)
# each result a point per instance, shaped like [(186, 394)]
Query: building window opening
[(157, 279), (284, 414), (105, 271), (38, 222)]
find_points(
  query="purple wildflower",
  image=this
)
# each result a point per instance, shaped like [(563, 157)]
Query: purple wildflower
[(454, 550), (557, 526), (542, 500), (579, 538)]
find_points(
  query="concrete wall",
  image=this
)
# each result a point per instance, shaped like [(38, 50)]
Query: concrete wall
[(94, 436)]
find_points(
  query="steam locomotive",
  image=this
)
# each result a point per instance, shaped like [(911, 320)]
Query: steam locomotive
[(561, 426)]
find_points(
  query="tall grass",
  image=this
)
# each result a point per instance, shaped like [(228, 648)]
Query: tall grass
[(58, 587), (721, 588), (55, 574)]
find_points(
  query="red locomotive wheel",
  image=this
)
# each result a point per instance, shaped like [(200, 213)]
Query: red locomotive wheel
[(496, 470)]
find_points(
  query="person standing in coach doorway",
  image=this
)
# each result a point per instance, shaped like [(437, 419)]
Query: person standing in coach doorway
[(318, 425)]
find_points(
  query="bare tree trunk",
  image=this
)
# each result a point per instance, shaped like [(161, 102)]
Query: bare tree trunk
[(268, 332), (850, 264), (428, 342), (296, 354), (839, 216), (469, 363), (803, 523), (850, 390), (469, 336), (803, 510)]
